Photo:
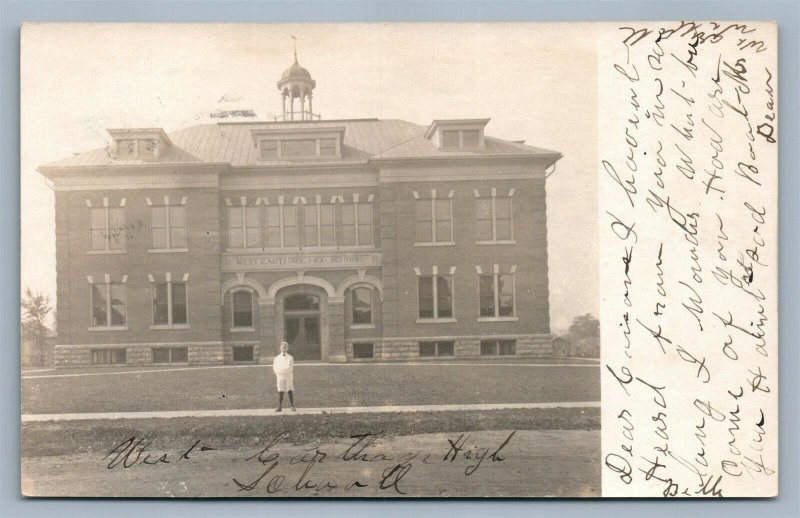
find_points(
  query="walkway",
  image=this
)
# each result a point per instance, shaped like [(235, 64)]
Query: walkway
[(270, 412)]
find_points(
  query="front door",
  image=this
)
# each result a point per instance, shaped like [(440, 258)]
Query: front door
[(302, 334), (301, 327)]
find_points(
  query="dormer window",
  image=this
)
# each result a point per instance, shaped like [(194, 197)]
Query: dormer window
[(457, 134), (298, 148), (298, 144), (139, 143)]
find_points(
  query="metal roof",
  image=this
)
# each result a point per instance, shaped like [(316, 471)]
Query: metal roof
[(364, 140)]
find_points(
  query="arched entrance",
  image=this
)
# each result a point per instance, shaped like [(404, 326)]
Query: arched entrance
[(301, 325)]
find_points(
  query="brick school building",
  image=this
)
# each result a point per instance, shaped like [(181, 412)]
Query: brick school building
[(353, 240)]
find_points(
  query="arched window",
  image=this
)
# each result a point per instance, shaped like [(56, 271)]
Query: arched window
[(242, 309), (362, 306)]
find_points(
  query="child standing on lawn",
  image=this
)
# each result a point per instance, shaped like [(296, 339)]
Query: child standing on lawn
[(283, 365)]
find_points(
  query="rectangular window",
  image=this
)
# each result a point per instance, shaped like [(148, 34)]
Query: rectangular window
[(243, 353), (109, 305), (269, 149), (170, 354), (107, 228), (282, 229), (435, 220), (126, 148), (431, 349), (356, 224), (147, 148), (470, 138), (363, 350), (496, 295), (327, 225), (494, 219), (274, 226), (435, 296), (362, 306), (109, 356), (298, 147), (327, 147), (242, 309), (311, 225), (498, 347), (289, 225), (364, 223), (169, 304), (348, 225), (167, 227), (450, 139), (243, 227), (485, 220)]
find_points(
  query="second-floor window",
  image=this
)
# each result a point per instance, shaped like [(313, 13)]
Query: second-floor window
[(167, 227), (244, 228), (435, 296), (356, 224), (109, 305), (494, 219), (319, 222), (107, 228), (435, 220), (281, 226), (169, 304)]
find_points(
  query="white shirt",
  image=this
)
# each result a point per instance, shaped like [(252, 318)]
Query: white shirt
[(283, 365)]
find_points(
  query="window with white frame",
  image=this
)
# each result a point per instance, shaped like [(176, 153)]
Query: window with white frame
[(454, 139), (107, 225), (435, 220), (167, 227), (109, 305), (318, 221), (497, 295), (361, 300), (169, 304), (435, 294), (244, 227), (494, 219), (282, 228), (356, 224), (242, 302)]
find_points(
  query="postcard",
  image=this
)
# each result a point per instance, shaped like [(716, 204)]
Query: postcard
[(399, 260)]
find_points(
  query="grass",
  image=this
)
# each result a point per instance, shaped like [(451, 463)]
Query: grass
[(316, 386), (45, 439)]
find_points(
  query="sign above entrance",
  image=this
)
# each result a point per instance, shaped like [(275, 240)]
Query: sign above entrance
[(307, 260)]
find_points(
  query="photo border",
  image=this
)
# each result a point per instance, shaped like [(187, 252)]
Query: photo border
[(14, 13)]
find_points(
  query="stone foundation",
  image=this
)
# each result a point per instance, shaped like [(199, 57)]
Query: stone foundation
[(385, 349), (205, 353)]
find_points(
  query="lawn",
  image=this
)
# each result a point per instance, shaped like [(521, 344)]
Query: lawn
[(318, 385)]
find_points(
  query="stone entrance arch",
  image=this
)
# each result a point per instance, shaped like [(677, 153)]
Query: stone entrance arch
[(331, 316)]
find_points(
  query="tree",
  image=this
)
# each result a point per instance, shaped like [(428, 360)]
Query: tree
[(35, 308), (583, 337), (583, 327)]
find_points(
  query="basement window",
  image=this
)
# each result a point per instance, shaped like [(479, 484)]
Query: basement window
[(170, 354), (433, 349), (498, 347), (109, 356), (243, 353), (363, 350)]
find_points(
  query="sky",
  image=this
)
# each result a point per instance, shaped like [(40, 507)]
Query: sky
[(537, 82)]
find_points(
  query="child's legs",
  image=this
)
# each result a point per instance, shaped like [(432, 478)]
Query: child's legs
[(291, 398)]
